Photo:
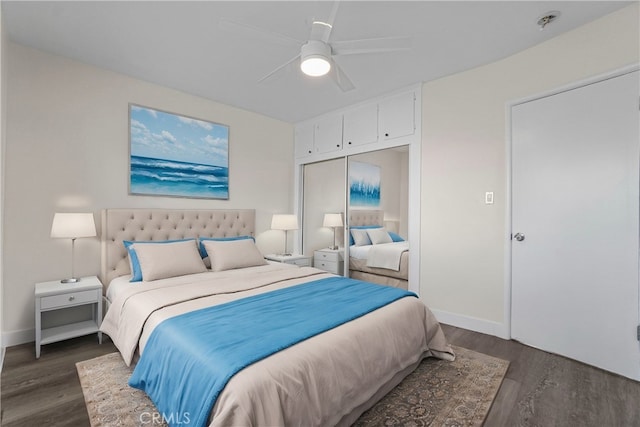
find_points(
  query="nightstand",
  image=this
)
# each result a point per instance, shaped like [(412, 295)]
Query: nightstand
[(295, 259), (331, 260), (53, 296)]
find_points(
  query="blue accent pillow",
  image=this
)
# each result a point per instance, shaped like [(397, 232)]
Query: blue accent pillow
[(203, 251), (136, 271), (358, 227), (395, 237)]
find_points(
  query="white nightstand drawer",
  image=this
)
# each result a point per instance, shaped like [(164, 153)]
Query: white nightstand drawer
[(68, 299), (330, 266), (331, 256), (302, 262)]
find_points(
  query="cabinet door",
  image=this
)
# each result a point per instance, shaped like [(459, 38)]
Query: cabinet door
[(360, 126), (397, 116), (328, 134), (304, 140)]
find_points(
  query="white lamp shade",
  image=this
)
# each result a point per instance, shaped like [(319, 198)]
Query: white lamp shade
[(73, 225), (284, 222), (332, 220)]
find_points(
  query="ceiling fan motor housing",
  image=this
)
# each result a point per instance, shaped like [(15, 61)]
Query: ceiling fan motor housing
[(314, 58)]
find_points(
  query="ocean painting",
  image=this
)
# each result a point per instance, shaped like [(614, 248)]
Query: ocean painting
[(173, 155), (364, 185)]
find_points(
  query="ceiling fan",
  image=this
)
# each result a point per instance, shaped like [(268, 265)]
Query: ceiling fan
[(316, 55)]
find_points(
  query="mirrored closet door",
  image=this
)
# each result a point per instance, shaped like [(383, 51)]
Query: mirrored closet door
[(324, 205), (378, 216), (370, 189)]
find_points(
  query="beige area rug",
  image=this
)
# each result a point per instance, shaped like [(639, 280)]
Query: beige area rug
[(437, 393)]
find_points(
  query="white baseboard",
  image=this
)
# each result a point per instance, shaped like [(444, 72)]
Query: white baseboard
[(9, 339), (488, 327)]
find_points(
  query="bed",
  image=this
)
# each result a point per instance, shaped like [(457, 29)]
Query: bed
[(329, 378), (394, 274)]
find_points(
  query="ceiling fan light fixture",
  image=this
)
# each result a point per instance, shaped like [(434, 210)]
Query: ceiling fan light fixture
[(314, 58)]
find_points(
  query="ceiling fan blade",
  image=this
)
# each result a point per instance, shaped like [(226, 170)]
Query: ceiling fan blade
[(280, 68), (246, 29), (341, 79), (384, 44), (321, 28)]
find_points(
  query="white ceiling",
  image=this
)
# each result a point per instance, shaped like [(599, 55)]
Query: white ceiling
[(180, 45)]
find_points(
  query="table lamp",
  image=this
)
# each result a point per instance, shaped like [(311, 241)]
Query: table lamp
[(286, 223), (72, 226), (333, 220)]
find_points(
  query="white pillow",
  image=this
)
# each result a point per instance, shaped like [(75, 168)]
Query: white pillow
[(230, 254), (168, 259), (379, 235), (360, 237)]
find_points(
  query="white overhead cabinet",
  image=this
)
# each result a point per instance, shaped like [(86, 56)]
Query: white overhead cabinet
[(397, 116), (386, 121), (360, 125), (304, 140), (328, 134)]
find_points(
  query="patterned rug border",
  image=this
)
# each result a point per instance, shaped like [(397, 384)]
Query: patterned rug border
[(437, 393)]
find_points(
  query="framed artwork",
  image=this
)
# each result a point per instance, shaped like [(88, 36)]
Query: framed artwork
[(364, 185), (174, 155)]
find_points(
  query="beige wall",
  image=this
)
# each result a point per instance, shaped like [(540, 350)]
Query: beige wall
[(67, 150), (464, 155)]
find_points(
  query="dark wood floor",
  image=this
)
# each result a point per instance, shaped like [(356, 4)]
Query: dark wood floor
[(540, 389)]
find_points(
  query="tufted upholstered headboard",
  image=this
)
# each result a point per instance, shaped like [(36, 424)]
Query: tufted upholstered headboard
[(366, 217), (164, 224)]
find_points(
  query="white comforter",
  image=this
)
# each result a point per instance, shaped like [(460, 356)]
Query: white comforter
[(387, 255), (321, 381)]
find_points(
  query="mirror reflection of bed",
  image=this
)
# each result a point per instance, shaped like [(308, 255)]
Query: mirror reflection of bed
[(327, 190), (377, 253)]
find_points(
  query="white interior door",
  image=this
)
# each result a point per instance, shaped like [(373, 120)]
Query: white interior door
[(575, 162)]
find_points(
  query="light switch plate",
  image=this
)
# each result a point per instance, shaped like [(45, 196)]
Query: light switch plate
[(488, 197)]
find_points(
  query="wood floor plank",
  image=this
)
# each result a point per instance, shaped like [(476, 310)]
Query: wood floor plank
[(544, 389), (46, 391), (503, 404), (539, 389)]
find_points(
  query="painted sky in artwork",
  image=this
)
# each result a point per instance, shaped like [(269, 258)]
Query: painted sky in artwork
[(159, 135)]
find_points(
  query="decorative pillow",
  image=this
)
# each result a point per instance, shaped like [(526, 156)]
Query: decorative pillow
[(395, 237), (136, 273), (231, 254), (360, 237), (168, 260), (203, 251), (378, 236), (360, 227)]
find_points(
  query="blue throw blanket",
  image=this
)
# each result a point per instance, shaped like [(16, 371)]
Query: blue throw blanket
[(189, 359)]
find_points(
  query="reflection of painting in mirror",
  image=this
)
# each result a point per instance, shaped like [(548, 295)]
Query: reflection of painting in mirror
[(364, 185)]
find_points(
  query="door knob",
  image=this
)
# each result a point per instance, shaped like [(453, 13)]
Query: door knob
[(519, 237)]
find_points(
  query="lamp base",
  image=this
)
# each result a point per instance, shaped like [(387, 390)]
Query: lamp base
[(333, 248), (70, 280)]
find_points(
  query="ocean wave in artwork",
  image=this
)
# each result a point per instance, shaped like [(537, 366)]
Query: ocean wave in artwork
[(174, 178)]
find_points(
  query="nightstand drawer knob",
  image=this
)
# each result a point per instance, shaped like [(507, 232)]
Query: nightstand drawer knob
[(71, 298)]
